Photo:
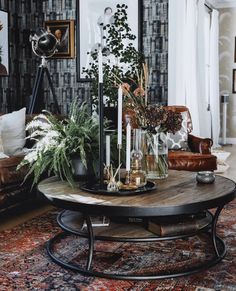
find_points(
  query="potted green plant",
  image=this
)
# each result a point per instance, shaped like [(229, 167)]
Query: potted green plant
[(60, 143)]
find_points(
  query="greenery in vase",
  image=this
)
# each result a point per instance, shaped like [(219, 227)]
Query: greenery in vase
[(57, 141), (120, 57)]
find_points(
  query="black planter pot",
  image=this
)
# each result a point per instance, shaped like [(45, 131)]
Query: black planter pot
[(80, 173)]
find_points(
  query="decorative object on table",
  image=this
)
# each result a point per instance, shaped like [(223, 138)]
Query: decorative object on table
[(64, 31), (4, 49), (106, 76), (156, 120), (156, 155), (205, 177), (57, 142), (138, 173), (113, 185), (101, 118)]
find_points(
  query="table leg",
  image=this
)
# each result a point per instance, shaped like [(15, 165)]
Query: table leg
[(213, 229), (91, 241)]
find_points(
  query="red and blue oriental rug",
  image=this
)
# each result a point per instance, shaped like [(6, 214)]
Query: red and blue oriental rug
[(25, 265)]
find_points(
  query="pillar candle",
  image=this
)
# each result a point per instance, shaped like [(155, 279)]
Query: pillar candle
[(108, 150), (100, 70), (119, 123), (128, 146)]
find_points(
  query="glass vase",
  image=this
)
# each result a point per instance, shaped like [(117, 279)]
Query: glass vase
[(138, 173), (156, 155)]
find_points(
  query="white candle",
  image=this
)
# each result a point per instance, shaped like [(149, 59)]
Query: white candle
[(108, 150), (100, 71), (119, 123), (128, 146)]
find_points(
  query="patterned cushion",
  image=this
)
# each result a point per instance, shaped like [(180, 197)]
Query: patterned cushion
[(179, 140)]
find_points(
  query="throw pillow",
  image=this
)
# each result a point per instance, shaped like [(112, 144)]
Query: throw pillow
[(1, 145), (13, 132), (179, 140)]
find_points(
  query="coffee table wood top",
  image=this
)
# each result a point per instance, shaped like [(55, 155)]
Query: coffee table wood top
[(178, 194)]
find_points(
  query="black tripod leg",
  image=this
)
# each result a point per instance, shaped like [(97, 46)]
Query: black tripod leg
[(36, 88), (53, 91)]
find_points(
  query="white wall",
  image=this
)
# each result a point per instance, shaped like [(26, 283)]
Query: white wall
[(227, 34)]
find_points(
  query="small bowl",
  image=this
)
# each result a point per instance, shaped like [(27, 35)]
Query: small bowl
[(205, 177)]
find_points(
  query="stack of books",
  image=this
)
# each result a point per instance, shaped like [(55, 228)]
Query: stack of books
[(177, 225)]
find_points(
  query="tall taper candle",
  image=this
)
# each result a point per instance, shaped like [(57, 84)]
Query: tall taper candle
[(119, 122), (108, 150), (100, 70), (101, 117), (128, 146)]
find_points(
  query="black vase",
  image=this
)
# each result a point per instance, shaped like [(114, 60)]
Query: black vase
[(80, 173)]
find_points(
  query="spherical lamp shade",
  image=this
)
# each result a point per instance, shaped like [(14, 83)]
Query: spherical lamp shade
[(44, 43)]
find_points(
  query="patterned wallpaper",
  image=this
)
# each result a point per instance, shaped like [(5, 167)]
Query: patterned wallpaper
[(227, 34), (27, 15), (155, 47)]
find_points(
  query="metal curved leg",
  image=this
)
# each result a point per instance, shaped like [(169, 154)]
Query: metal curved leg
[(213, 229), (91, 241), (218, 255)]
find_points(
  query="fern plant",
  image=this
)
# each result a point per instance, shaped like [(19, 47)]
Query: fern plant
[(57, 141)]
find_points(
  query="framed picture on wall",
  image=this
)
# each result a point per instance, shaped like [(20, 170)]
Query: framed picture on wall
[(92, 16), (4, 46), (235, 49), (234, 81), (64, 30)]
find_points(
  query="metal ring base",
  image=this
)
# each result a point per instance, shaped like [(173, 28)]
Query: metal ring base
[(163, 275)]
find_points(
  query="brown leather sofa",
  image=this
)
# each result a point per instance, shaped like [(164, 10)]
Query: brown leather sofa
[(12, 191), (198, 157)]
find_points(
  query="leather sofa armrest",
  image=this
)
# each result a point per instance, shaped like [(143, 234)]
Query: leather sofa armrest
[(11, 161), (199, 145), (8, 172)]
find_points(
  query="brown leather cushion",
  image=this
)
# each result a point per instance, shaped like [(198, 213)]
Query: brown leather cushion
[(183, 160)]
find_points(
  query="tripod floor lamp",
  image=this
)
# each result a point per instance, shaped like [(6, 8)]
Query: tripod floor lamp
[(44, 45)]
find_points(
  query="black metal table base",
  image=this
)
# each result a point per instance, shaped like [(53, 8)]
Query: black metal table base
[(218, 246)]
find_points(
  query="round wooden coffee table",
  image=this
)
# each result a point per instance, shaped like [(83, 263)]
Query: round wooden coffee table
[(179, 194)]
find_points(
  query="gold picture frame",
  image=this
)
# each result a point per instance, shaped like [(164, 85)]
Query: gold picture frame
[(64, 30)]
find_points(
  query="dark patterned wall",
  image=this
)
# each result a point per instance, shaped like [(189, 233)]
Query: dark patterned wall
[(155, 47), (27, 15)]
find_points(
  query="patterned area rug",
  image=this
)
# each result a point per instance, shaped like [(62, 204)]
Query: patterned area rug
[(25, 265)]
